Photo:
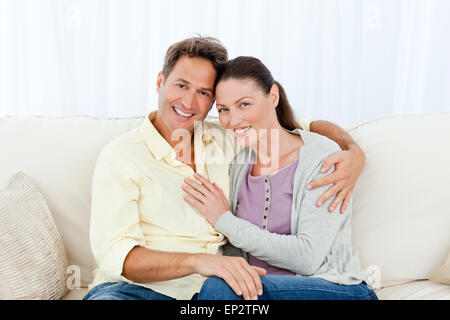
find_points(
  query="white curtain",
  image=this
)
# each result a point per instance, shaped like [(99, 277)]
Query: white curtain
[(345, 61)]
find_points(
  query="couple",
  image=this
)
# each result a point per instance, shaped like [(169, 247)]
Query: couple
[(189, 209)]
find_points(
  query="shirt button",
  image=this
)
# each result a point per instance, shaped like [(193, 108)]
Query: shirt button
[(266, 208), (264, 227)]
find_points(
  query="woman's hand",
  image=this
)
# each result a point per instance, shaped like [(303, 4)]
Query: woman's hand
[(349, 165), (207, 197)]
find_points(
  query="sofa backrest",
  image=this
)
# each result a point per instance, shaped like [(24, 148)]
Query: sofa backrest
[(400, 211)]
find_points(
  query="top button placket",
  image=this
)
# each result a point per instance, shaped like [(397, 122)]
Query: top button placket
[(266, 202)]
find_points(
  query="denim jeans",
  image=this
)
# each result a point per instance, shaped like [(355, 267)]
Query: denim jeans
[(214, 288), (277, 287), (123, 291)]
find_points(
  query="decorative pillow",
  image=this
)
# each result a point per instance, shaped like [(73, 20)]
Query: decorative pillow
[(442, 274), (33, 261)]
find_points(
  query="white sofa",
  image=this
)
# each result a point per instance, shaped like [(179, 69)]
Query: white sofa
[(401, 212)]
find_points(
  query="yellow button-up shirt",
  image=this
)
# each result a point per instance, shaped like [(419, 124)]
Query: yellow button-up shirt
[(137, 200)]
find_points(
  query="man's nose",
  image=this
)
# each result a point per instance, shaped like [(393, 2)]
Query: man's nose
[(189, 100)]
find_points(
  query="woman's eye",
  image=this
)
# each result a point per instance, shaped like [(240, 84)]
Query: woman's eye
[(221, 110), (244, 104)]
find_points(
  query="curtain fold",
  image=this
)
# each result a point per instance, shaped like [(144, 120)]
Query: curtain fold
[(345, 61)]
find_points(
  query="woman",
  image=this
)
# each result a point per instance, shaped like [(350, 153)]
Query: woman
[(272, 217)]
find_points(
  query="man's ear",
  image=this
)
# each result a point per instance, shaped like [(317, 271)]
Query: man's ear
[(159, 81), (274, 95)]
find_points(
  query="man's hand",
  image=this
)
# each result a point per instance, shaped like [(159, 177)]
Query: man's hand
[(349, 165), (242, 278)]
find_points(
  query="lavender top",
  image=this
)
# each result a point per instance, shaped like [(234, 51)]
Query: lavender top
[(266, 201)]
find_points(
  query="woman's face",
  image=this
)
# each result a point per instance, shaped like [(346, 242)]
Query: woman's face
[(244, 109)]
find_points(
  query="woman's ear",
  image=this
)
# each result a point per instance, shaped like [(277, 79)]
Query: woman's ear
[(274, 95)]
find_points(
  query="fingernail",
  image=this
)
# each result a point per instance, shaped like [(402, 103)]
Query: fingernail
[(331, 209), (260, 292), (323, 170), (319, 204), (255, 298), (309, 187)]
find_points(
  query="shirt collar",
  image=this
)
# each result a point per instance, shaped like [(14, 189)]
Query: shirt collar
[(159, 146), (155, 142)]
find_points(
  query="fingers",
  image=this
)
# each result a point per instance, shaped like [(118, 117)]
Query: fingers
[(328, 194), (205, 182), (331, 178), (330, 161), (260, 271), (346, 202), (197, 186), (242, 278), (337, 200), (193, 202), (251, 278), (241, 285), (231, 281), (194, 193)]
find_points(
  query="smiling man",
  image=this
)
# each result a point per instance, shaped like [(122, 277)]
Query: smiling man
[(148, 243)]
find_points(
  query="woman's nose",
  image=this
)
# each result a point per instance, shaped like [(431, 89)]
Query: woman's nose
[(234, 119)]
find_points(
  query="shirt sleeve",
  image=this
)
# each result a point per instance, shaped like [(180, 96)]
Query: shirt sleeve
[(115, 223), (305, 123), (302, 253)]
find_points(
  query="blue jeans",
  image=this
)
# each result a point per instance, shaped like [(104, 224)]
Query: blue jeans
[(277, 287), (123, 291), (214, 288)]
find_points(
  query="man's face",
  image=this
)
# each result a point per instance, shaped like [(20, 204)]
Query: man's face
[(187, 94)]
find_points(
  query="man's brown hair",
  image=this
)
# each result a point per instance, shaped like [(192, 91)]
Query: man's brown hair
[(204, 47)]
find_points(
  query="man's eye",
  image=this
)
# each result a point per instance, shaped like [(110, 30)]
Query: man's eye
[(181, 85), (204, 93)]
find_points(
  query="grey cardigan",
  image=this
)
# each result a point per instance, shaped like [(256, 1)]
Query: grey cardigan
[(320, 242)]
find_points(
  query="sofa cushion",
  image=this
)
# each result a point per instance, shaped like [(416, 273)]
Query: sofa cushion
[(401, 215), (75, 294), (442, 273), (415, 290), (33, 261)]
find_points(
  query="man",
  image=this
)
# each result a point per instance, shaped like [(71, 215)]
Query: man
[(149, 243)]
